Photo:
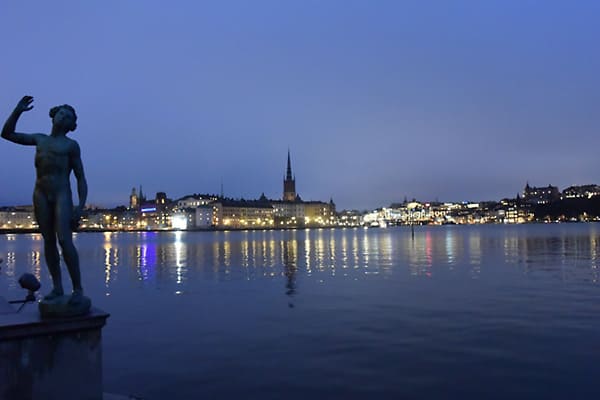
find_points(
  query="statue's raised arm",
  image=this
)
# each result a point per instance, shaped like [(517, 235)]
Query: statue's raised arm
[(8, 131)]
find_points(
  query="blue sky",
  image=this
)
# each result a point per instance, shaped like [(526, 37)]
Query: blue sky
[(377, 100)]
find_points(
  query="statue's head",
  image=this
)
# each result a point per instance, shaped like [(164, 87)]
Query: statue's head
[(64, 115)]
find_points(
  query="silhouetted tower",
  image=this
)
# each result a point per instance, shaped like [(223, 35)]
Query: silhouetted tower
[(141, 196), (133, 200), (289, 182)]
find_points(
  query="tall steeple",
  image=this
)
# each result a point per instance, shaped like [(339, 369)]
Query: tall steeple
[(289, 182), (288, 175)]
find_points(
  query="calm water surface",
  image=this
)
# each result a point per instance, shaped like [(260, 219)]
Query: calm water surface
[(483, 312)]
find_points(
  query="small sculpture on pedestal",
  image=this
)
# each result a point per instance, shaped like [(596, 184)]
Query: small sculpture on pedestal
[(56, 156)]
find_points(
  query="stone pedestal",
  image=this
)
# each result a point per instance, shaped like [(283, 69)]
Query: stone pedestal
[(58, 358)]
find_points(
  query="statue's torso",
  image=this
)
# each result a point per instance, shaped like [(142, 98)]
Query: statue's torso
[(52, 164)]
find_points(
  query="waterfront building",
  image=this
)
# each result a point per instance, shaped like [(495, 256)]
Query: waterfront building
[(114, 219), (373, 218), (349, 218), (207, 216), (244, 214), (540, 195), (182, 220), (195, 209), (514, 211), (292, 211), (129, 220), (21, 217), (156, 214), (92, 219), (195, 200), (134, 202), (288, 212), (318, 213), (303, 213), (581, 192)]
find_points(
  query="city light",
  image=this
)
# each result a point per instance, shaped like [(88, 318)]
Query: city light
[(179, 222)]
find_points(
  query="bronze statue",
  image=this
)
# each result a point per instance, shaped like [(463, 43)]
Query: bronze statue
[(56, 156)]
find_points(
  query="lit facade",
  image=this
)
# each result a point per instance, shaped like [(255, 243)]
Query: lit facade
[(156, 214), (207, 216), (318, 213), (244, 214), (18, 218)]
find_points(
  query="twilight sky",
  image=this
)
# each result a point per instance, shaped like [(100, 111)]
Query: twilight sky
[(377, 100)]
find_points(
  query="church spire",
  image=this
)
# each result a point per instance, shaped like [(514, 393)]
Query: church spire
[(288, 175), (289, 183)]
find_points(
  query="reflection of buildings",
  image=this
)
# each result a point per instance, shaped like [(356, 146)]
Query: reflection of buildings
[(290, 268)]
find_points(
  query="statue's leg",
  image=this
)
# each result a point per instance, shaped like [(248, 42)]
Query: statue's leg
[(44, 216), (64, 211)]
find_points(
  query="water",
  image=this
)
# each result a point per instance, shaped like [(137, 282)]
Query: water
[(474, 312)]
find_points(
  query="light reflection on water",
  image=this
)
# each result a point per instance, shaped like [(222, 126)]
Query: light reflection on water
[(179, 256), (455, 311)]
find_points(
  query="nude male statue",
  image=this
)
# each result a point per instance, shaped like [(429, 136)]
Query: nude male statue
[(56, 156)]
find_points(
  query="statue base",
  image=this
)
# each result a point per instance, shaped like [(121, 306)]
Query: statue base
[(58, 358), (60, 307)]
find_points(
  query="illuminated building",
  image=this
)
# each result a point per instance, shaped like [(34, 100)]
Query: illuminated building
[(350, 218), (207, 216), (179, 221), (133, 200), (161, 199), (288, 209), (156, 214), (318, 213), (197, 211), (195, 200), (540, 195), (292, 211), (17, 218), (581, 192), (244, 214)]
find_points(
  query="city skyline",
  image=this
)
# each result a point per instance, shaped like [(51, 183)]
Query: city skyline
[(456, 102)]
